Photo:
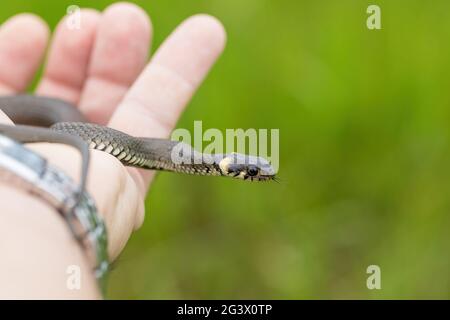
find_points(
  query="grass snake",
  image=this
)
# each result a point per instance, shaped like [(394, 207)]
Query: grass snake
[(45, 119)]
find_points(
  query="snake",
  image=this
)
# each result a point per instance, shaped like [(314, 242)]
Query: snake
[(48, 119)]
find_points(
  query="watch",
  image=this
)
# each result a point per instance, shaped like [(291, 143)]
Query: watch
[(29, 170)]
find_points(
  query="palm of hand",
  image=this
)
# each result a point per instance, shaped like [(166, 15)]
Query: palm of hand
[(102, 69)]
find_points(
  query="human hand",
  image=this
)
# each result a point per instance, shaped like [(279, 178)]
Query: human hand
[(101, 68)]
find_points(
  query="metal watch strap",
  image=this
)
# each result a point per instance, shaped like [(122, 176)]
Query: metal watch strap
[(32, 172)]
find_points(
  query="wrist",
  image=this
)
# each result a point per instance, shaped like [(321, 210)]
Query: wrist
[(114, 191), (40, 250)]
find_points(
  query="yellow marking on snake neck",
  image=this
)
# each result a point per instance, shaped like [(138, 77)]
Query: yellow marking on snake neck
[(224, 164)]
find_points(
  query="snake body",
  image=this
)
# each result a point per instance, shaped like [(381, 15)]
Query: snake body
[(64, 123)]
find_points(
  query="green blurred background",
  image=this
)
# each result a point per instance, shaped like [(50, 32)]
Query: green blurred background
[(364, 119)]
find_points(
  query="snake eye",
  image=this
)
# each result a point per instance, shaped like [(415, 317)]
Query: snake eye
[(252, 171)]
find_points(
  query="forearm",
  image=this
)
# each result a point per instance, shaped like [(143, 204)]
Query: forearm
[(39, 258)]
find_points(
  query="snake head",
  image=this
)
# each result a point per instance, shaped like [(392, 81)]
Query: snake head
[(245, 167)]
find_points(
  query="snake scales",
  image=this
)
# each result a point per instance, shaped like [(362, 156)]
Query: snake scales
[(44, 119)]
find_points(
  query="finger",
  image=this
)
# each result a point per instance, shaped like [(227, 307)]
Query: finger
[(68, 58), (23, 39), (119, 55), (154, 103)]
